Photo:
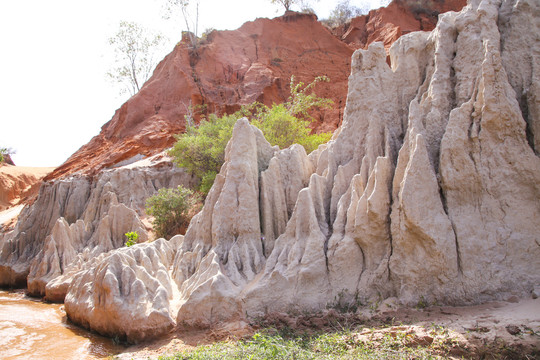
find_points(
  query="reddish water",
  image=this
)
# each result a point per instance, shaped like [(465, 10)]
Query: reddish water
[(31, 329)]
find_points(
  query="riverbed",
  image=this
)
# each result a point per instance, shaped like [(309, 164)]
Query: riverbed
[(32, 329)]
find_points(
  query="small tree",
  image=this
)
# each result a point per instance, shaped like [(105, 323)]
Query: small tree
[(171, 209), (285, 3), (190, 14), (344, 12), (135, 49), (303, 4)]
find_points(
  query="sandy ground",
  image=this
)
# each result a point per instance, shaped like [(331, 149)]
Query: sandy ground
[(38, 172), (18, 185), (514, 323)]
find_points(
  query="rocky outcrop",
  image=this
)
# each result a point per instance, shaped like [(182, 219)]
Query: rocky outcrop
[(233, 68), (428, 192), (400, 17), (75, 220), (19, 184), (127, 293), (225, 71)]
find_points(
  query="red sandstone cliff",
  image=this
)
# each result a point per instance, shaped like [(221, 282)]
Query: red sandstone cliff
[(252, 63), (398, 18)]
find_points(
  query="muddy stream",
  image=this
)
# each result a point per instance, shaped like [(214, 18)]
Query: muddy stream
[(32, 329)]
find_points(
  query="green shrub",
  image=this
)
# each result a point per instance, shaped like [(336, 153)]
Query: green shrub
[(172, 209), (201, 149), (132, 237), (283, 129)]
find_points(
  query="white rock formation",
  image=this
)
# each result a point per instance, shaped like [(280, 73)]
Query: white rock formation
[(127, 293), (430, 191), (76, 219)]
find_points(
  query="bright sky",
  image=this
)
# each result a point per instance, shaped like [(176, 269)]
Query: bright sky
[(54, 94)]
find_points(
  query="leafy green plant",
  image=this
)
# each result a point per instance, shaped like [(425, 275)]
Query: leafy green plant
[(172, 209), (132, 237), (201, 149)]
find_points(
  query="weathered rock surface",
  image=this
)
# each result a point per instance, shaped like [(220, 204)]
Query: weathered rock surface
[(127, 293), (19, 184), (430, 191), (400, 17), (233, 68), (74, 220)]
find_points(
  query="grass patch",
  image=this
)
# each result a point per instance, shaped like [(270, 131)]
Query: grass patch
[(397, 342)]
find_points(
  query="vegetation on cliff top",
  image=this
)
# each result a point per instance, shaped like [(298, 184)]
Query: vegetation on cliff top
[(201, 149)]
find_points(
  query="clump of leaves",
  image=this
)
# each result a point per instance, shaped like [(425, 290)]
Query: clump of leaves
[(132, 237), (201, 149), (172, 209)]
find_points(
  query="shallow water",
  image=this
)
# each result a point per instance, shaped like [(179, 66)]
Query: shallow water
[(31, 329)]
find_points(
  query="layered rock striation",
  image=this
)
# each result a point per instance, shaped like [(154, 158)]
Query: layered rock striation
[(74, 220), (400, 17), (232, 68), (429, 192), (19, 184)]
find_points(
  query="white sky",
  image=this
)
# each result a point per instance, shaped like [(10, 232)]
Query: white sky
[(54, 95)]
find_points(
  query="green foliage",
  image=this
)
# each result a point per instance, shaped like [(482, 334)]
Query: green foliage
[(283, 129), (171, 209), (288, 123), (342, 344), (132, 237), (201, 149)]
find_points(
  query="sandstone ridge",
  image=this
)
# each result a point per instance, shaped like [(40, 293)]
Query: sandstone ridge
[(429, 192), (233, 68)]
